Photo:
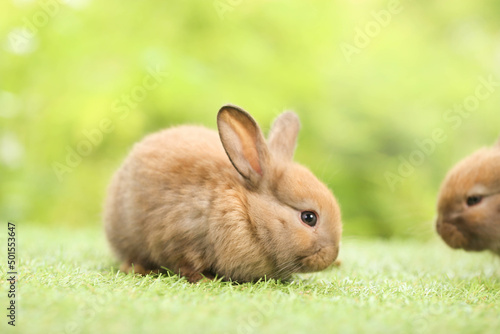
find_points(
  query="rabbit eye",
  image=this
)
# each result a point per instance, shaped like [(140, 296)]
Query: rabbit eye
[(473, 200), (309, 218)]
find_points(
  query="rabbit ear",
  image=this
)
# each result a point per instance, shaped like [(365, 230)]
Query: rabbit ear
[(283, 135), (244, 143)]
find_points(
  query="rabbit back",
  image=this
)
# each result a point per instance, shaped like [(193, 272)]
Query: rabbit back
[(158, 203)]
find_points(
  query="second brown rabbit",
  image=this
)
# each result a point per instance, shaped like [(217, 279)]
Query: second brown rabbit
[(469, 203)]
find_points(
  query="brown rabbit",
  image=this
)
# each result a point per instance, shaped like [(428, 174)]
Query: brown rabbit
[(231, 205), (469, 203)]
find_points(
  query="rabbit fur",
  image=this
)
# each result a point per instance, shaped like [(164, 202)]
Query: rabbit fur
[(227, 204), (469, 202)]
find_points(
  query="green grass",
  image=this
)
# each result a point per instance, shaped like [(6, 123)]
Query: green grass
[(69, 284)]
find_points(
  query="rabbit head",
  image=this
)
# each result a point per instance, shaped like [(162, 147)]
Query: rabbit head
[(294, 216), (469, 203)]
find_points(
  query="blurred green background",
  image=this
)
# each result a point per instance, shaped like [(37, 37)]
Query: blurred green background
[(373, 82)]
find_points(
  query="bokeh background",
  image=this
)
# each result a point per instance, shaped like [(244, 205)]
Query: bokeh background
[(378, 85)]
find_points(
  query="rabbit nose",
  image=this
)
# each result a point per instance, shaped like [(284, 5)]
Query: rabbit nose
[(441, 219), (439, 224), (448, 218), (445, 220)]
